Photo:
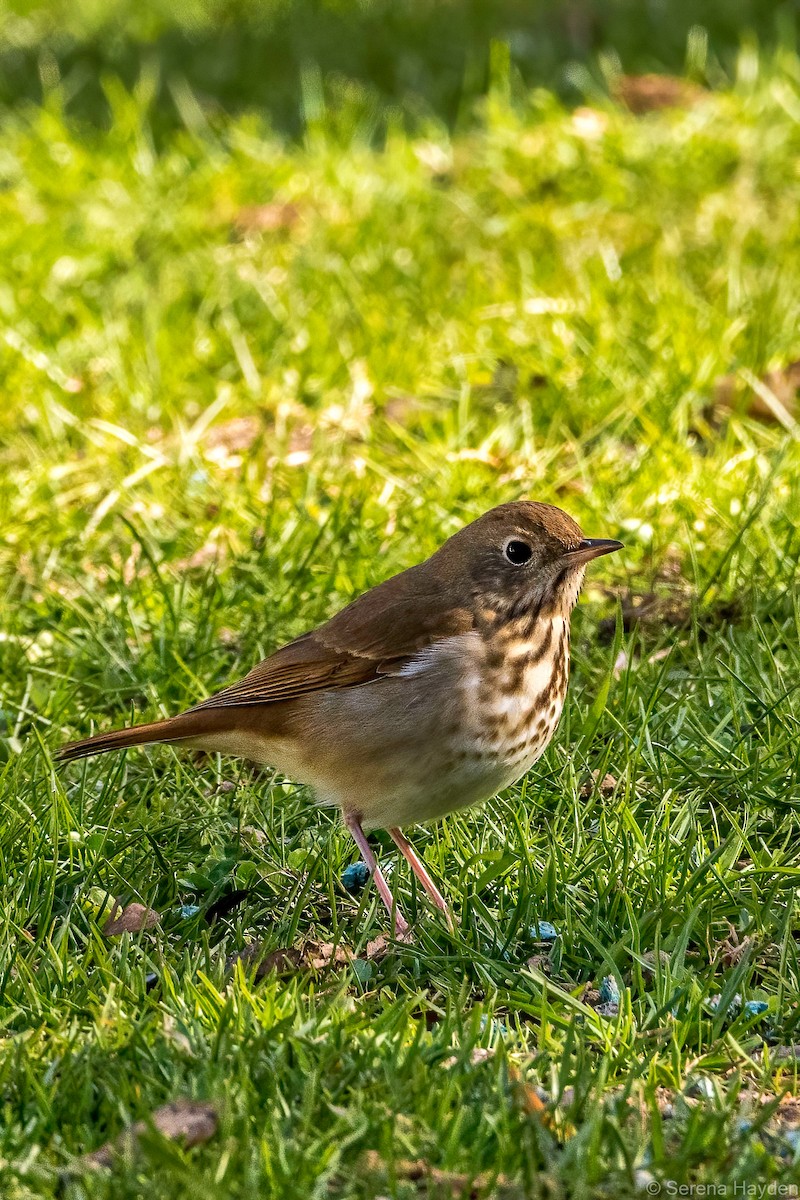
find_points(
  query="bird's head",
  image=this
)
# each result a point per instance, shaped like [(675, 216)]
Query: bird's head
[(523, 558)]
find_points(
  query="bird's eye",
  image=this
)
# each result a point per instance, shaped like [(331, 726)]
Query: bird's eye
[(518, 553)]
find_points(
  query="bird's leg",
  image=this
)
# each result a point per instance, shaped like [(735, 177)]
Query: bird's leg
[(415, 862), (401, 926)]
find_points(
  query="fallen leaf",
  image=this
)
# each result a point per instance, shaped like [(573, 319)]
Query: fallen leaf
[(320, 955), (771, 399), (281, 961), (315, 955), (132, 919), (188, 1121), (378, 947), (651, 93), (604, 786), (266, 218), (235, 435)]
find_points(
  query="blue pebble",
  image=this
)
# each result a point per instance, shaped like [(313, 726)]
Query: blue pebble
[(354, 878), (189, 910), (543, 931), (609, 992), (756, 1008)]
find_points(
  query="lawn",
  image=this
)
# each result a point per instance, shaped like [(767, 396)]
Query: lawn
[(245, 377)]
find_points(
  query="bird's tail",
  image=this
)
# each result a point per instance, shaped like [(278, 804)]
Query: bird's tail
[(183, 728)]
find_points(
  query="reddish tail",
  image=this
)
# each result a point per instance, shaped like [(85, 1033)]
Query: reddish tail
[(174, 729)]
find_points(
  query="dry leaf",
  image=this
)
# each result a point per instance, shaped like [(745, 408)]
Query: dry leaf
[(650, 93), (281, 961), (266, 218), (772, 398), (235, 435), (132, 919), (378, 947), (320, 955), (316, 955), (604, 786), (188, 1121)]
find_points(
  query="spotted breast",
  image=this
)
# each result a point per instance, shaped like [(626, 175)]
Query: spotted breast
[(521, 690)]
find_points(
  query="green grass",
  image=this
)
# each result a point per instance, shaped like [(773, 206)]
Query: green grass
[(434, 327)]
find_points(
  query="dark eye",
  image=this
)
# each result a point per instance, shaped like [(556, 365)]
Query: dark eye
[(518, 553)]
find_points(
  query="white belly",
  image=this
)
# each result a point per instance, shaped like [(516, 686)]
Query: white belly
[(413, 747)]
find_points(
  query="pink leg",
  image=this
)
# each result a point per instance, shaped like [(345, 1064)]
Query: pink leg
[(401, 926), (409, 853)]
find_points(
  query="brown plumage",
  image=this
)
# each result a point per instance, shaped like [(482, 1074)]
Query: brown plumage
[(431, 691)]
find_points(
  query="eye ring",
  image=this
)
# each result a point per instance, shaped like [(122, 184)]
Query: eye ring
[(517, 552)]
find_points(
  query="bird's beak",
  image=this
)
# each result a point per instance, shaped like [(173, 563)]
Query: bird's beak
[(591, 548)]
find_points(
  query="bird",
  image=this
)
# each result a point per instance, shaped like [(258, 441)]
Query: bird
[(434, 690)]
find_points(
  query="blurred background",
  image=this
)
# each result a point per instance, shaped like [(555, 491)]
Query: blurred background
[(421, 58)]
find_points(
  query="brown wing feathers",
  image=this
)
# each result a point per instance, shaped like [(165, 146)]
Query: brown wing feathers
[(344, 652)]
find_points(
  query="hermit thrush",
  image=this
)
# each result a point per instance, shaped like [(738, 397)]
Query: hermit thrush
[(432, 691)]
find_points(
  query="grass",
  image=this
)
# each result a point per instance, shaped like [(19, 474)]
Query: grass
[(213, 436)]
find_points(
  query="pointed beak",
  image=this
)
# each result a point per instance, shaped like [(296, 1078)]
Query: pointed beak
[(591, 548)]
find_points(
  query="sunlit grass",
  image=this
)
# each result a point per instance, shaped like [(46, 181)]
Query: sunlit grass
[(540, 307)]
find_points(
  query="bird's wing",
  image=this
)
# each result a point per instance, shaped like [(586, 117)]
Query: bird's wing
[(373, 637)]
